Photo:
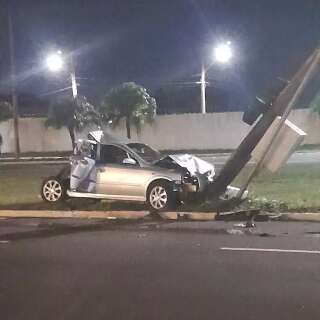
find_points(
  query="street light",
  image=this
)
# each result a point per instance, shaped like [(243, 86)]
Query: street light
[(222, 54), (55, 62)]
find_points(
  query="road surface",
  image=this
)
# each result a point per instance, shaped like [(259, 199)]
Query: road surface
[(212, 270), (299, 157), (309, 156)]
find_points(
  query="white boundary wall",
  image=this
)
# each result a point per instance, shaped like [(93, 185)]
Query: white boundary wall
[(174, 132)]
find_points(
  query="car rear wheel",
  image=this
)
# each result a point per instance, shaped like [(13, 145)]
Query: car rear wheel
[(53, 190), (160, 197)]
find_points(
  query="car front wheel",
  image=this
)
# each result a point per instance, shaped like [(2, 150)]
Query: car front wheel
[(160, 197), (53, 190)]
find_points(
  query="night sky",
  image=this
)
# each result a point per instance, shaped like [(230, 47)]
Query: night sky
[(159, 42)]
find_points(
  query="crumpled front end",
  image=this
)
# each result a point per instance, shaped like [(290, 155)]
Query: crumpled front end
[(196, 174)]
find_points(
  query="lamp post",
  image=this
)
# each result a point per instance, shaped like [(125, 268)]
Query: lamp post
[(13, 77), (55, 62), (222, 55)]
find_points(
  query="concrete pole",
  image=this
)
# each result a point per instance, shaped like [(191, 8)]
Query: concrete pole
[(73, 79), (74, 85), (306, 79), (203, 89), (13, 85), (280, 107)]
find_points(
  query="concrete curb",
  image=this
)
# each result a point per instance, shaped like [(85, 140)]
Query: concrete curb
[(299, 216), (197, 216), (176, 215), (133, 215), (73, 214)]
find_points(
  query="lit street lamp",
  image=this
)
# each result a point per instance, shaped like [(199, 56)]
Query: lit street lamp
[(55, 62), (222, 54)]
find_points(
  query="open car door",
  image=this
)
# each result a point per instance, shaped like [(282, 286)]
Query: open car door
[(83, 175)]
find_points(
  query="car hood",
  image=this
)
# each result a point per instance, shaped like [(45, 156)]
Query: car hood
[(193, 164), (189, 166)]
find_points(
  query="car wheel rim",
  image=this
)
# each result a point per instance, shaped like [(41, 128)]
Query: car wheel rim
[(158, 197), (52, 190)]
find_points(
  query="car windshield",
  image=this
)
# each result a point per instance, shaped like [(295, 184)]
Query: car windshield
[(145, 152)]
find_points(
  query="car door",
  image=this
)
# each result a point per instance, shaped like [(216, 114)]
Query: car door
[(83, 171), (118, 180)]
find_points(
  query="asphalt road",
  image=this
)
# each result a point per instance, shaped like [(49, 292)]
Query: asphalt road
[(303, 157), (150, 270), (299, 157)]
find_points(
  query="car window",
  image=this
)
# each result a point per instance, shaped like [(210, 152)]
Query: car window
[(145, 152), (112, 154), (86, 148)]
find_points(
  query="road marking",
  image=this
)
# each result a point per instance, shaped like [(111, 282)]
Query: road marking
[(270, 250), (4, 241)]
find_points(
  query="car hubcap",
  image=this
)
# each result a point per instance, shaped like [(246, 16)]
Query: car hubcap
[(52, 190), (158, 197)]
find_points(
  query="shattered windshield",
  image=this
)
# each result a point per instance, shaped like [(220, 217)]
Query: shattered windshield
[(145, 152)]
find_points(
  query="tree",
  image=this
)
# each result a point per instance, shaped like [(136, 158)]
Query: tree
[(74, 114), (5, 111), (130, 102)]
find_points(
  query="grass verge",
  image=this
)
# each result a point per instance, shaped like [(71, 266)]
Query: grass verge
[(294, 188)]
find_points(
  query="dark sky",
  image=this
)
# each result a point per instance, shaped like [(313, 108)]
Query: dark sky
[(155, 42)]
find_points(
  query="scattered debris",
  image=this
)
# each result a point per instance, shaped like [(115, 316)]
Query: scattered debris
[(142, 235), (235, 231)]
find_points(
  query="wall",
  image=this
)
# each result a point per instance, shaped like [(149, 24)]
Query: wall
[(193, 131), (183, 131), (34, 136)]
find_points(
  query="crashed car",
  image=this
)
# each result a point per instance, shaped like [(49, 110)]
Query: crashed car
[(104, 167)]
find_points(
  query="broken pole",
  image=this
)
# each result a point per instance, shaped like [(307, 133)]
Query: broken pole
[(242, 154)]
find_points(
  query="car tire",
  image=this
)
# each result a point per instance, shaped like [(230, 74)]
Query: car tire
[(53, 190), (160, 197)]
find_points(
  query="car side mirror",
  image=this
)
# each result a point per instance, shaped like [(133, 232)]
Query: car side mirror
[(129, 161)]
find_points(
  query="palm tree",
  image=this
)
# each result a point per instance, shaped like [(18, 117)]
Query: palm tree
[(130, 102), (74, 114)]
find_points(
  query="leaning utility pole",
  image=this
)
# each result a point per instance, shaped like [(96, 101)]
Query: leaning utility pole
[(281, 106), (13, 84)]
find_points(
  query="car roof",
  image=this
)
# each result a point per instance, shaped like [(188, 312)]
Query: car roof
[(104, 137)]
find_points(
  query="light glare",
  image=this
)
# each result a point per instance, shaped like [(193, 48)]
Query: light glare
[(54, 62), (223, 52)]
